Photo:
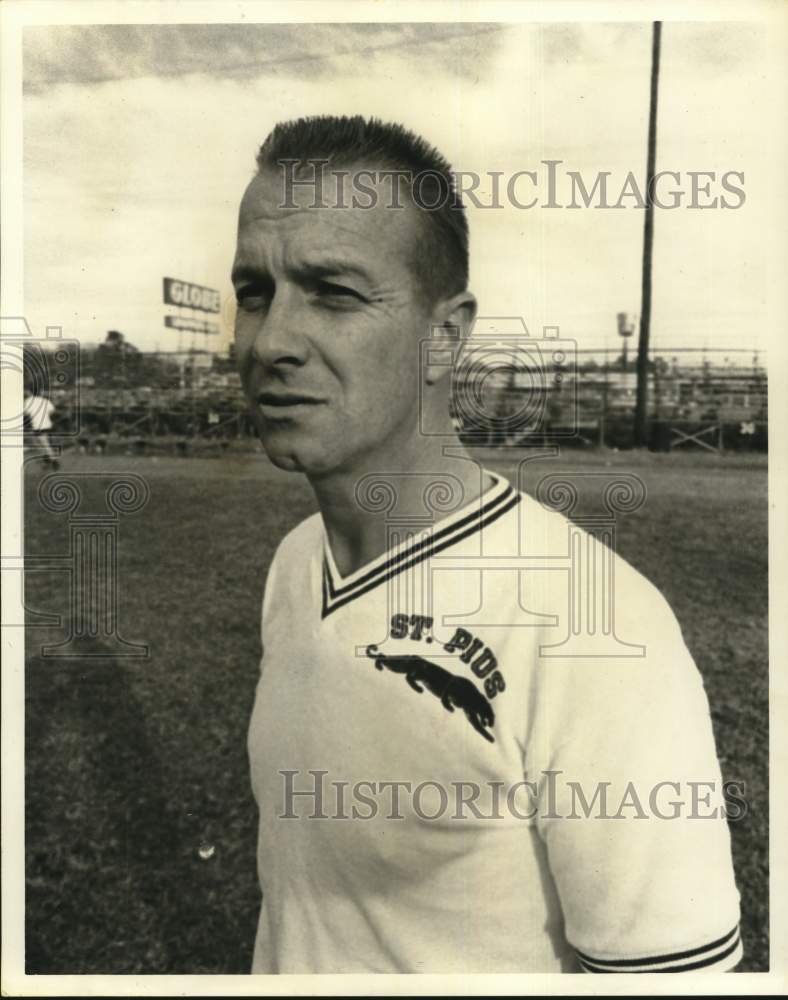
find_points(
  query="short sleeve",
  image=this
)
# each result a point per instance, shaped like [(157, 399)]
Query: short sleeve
[(268, 591), (631, 805)]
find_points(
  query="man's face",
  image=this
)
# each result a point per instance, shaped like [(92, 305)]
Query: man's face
[(328, 327)]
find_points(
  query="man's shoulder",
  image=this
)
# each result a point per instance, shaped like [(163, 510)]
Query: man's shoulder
[(583, 569), (302, 541), (295, 550), (626, 640)]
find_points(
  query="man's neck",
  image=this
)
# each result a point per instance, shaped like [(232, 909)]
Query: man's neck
[(359, 507)]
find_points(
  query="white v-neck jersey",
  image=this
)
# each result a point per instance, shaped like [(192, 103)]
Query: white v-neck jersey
[(466, 759)]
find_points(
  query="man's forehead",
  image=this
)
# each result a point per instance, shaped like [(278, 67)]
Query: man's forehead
[(350, 196), (264, 197), (349, 234), (330, 243)]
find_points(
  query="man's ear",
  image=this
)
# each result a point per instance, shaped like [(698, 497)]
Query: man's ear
[(451, 322)]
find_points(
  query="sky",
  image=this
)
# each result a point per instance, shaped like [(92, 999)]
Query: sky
[(140, 139)]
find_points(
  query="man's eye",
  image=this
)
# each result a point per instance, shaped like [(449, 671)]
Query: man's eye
[(252, 299), (331, 290)]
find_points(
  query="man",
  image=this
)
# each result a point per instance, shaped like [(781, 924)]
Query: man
[(38, 412), (403, 668)]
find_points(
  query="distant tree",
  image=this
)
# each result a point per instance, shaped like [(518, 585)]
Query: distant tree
[(118, 363)]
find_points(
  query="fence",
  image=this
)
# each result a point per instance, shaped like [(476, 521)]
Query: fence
[(699, 406)]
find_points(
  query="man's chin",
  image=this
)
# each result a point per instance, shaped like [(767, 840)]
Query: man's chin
[(286, 455), (288, 463)]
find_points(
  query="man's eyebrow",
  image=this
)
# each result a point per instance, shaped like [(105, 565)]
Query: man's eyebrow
[(326, 266), (323, 268)]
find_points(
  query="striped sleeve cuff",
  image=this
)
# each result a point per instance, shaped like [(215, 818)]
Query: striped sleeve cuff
[(716, 956)]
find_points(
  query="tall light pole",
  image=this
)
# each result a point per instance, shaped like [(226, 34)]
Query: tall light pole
[(641, 404)]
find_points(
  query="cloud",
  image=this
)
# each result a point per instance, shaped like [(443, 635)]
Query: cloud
[(88, 54)]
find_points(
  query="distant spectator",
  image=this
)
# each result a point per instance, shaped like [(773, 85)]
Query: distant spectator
[(38, 412)]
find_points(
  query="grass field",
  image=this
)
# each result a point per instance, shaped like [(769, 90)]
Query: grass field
[(133, 765)]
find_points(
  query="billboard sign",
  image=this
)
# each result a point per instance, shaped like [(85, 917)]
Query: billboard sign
[(189, 296), (194, 325)]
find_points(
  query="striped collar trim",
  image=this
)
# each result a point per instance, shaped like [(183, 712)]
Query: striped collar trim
[(337, 591)]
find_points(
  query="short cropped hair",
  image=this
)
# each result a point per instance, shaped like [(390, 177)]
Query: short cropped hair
[(344, 141)]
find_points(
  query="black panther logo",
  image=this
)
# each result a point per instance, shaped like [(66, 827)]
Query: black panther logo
[(452, 689)]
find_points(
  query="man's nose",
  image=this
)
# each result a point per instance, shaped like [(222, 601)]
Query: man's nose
[(280, 335)]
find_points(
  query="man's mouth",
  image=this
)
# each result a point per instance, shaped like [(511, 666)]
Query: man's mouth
[(273, 401)]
